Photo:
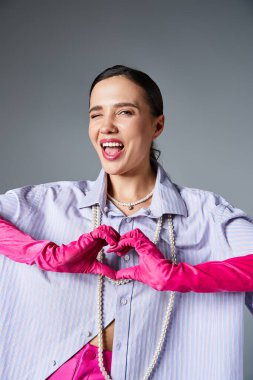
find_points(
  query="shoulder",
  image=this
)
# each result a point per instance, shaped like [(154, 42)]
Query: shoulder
[(66, 186), (207, 205), (13, 201), (26, 199), (35, 191), (206, 202), (200, 198)]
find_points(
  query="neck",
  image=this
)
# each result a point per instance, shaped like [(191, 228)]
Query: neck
[(131, 186)]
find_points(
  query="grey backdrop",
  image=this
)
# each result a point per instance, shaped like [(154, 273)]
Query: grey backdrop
[(199, 53)]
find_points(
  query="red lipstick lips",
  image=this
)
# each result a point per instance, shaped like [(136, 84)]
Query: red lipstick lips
[(111, 140), (112, 156)]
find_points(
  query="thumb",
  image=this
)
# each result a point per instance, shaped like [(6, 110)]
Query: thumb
[(103, 269), (119, 251), (121, 248), (131, 273)]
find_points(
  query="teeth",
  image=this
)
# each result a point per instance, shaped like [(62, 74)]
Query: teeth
[(111, 144)]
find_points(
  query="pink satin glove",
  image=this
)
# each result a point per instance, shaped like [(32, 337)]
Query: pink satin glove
[(76, 257), (235, 274), (151, 261)]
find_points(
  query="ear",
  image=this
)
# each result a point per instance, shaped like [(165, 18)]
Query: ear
[(159, 126)]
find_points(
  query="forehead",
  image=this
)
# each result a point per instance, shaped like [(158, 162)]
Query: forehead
[(116, 88)]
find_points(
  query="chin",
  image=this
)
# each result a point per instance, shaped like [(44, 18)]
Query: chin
[(110, 170), (111, 167)]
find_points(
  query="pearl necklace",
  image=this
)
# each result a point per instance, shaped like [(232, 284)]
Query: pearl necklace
[(130, 205), (96, 221)]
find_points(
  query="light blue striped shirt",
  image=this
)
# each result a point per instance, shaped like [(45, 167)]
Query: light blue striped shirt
[(46, 317)]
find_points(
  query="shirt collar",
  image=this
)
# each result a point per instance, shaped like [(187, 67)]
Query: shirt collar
[(166, 197)]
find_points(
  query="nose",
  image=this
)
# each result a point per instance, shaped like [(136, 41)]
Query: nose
[(108, 125)]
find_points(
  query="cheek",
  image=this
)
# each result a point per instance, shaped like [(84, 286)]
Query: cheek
[(91, 135), (138, 147), (136, 133), (141, 139)]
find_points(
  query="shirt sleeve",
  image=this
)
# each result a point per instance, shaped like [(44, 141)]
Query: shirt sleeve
[(235, 231), (19, 205)]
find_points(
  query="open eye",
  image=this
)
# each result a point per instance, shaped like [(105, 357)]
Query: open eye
[(127, 111)]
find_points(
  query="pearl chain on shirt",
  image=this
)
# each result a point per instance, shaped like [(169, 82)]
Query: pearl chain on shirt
[(96, 221)]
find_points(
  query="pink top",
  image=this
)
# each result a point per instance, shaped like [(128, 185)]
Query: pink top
[(83, 365)]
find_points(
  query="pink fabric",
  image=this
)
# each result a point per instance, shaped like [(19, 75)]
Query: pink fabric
[(234, 274), (83, 365), (79, 256)]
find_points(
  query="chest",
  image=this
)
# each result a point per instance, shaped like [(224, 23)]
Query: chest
[(64, 222)]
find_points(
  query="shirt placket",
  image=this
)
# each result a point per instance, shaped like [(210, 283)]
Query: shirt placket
[(123, 311)]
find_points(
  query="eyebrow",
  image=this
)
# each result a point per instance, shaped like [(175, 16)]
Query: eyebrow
[(116, 105)]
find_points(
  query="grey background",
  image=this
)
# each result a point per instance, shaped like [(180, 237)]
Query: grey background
[(199, 53)]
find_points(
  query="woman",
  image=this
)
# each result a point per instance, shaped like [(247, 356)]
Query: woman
[(186, 224)]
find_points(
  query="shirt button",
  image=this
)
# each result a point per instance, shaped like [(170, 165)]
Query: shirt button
[(54, 362), (87, 334), (128, 220), (90, 355), (148, 211), (126, 257), (106, 209), (123, 301)]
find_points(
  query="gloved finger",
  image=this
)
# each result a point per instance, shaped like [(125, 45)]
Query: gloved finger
[(111, 240), (108, 233), (130, 234), (119, 252), (103, 269), (122, 247), (125, 242), (131, 273), (147, 249), (112, 233), (135, 234)]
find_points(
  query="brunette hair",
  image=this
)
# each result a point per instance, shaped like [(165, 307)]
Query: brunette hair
[(152, 92)]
